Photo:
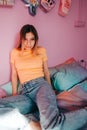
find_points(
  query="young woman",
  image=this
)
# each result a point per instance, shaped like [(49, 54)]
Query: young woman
[(29, 65)]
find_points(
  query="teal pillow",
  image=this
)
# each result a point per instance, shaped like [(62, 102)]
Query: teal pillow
[(8, 87), (68, 75), (52, 71)]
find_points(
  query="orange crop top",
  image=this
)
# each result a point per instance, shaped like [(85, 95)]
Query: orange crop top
[(28, 66)]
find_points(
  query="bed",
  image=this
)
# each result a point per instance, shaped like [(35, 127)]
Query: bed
[(69, 81)]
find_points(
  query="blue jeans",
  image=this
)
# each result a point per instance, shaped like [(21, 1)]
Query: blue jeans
[(42, 95), (21, 102), (39, 100)]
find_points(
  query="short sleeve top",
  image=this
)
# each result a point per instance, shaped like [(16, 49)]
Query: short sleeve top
[(28, 66)]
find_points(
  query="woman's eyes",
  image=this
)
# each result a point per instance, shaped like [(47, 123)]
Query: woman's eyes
[(32, 39)]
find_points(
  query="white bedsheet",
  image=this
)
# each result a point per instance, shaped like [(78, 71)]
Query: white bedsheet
[(13, 120)]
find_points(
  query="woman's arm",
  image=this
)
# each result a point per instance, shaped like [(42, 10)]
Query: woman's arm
[(46, 72), (14, 79)]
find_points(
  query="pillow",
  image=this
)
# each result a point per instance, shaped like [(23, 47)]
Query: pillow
[(68, 75), (68, 61), (2, 93), (8, 87), (53, 69)]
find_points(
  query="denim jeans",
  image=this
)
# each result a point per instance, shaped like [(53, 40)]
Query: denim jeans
[(44, 98), (39, 100), (41, 93), (21, 102)]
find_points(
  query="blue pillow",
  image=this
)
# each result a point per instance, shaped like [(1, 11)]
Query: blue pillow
[(8, 87), (52, 71), (68, 75)]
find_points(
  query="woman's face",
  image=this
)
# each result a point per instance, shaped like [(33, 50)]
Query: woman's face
[(29, 41)]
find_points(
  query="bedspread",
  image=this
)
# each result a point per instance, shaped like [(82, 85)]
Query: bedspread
[(73, 99)]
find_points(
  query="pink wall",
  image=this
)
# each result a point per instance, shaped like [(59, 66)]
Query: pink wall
[(57, 34)]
